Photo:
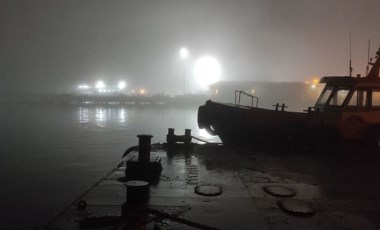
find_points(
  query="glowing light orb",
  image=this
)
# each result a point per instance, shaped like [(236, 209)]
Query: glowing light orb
[(100, 85), (183, 52), (121, 85), (207, 71)]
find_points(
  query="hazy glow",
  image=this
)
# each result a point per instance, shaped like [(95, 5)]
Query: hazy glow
[(183, 52), (207, 71), (121, 85), (142, 91), (100, 85)]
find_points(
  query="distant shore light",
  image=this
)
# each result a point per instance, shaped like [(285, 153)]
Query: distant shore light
[(83, 86)]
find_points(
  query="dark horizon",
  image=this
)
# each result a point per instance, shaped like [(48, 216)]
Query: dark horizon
[(52, 46)]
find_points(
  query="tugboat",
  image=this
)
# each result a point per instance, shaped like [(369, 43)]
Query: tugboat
[(348, 109)]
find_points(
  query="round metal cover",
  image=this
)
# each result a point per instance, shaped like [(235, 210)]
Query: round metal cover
[(136, 183), (208, 190), (279, 191), (295, 207)]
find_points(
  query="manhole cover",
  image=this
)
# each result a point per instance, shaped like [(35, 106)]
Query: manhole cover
[(208, 190), (295, 207), (279, 191)]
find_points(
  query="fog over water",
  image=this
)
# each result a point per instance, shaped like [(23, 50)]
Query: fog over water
[(49, 155)]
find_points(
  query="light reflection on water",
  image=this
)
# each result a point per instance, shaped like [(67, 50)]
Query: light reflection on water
[(148, 120), (102, 115), (122, 115), (83, 115)]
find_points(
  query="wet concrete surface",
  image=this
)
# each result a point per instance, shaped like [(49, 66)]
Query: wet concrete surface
[(340, 186)]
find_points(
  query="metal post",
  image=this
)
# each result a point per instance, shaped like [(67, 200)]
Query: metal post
[(144, 147), (187, 136), (170, 136)]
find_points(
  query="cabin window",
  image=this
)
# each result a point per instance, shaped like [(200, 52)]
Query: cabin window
[(324, 96), (358, 100), (339, 97), (376, 99)]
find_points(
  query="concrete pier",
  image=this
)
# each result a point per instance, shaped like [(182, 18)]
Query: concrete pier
[(340, 187)]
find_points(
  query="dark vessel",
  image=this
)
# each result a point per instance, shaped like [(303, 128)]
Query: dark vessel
[(347, 109)]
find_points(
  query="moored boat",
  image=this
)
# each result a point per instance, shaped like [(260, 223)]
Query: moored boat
[(348, 108)]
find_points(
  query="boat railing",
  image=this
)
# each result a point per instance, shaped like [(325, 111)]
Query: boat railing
[(238, 94)]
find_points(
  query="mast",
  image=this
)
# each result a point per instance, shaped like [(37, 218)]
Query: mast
[(374, 72), (368, 61), (350, 70)]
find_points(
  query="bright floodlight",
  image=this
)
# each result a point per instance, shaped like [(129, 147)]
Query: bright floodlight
[(183, 53), (207, 71), (100, 85), (121, 85)]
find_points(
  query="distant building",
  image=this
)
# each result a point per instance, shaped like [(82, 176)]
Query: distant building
[(297, 96)]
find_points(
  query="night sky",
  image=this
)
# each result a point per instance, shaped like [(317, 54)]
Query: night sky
[(52, 46)]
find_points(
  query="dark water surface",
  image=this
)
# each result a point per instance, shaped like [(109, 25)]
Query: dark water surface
[(51, 154)]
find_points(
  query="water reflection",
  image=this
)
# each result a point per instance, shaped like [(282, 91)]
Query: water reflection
[(83, 115), (142, 120), (100, 115), (122, 115)]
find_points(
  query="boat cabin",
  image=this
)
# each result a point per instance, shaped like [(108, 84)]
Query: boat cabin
[(351, 99)]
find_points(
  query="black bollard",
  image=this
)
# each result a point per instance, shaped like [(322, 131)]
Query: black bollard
[(144, 148), (170, 137), (187, 136), (137, 192)]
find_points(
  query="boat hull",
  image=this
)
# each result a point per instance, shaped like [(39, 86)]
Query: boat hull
[(256, 126)]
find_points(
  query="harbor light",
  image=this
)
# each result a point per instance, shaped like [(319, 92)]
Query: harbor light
[(207, 71), (183, 52), (83, 86), (142, 91), (121, 85), (100, 85)]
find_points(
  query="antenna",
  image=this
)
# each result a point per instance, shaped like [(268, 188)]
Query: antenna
[(350, 70), (368, 60)]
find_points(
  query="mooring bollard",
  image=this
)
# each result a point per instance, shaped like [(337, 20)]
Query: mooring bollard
[(170, 137), (137, 192), (187, 140), (144, 147)]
